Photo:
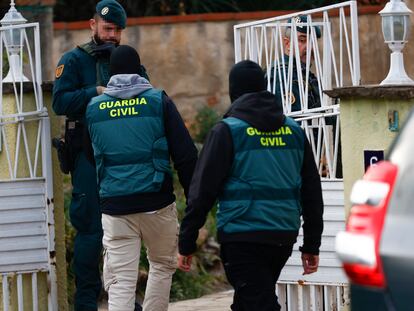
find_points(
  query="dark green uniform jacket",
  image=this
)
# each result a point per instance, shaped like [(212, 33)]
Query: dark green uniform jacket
[(263, 180), (77, 79)]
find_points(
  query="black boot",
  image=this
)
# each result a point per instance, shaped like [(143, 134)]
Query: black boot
[(137, 307)]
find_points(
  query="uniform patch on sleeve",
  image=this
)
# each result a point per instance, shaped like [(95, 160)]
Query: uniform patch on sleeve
[(59, 71)]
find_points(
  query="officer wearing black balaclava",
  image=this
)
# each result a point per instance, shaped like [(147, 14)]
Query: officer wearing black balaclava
[(258, 164)]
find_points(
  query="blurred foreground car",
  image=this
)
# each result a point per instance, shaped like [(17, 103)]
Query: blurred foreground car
[(377, 248)]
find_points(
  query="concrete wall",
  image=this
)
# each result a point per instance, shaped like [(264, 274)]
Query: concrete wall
[(191, 60), (366, 117)]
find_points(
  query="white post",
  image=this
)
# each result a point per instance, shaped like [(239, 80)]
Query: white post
[(48, 175), (254, 55), (327, 61), (356, 78), (237, 45), (5, 292), (20, 302), (34, 292)]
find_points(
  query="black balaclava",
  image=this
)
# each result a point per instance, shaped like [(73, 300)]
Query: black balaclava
[(245, 77), (124, 60)]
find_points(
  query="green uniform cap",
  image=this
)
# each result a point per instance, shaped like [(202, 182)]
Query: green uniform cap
[(111, 11), (303, 19)]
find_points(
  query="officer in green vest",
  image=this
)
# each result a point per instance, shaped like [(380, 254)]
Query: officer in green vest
[(135, 129), (81, 74), (293, 96), (258, 163)]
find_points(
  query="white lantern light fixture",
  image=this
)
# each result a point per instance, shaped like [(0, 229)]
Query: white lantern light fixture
[(396, 28), (13, 42)]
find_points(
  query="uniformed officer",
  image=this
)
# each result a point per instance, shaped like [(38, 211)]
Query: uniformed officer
[(293, 96), (81, 74), (259, 165)]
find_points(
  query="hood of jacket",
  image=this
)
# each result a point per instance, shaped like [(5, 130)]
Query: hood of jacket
[(261, 110), (125, 86)]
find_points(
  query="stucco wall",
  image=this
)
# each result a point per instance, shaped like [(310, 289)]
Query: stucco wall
[(191, 60), (367, 119)]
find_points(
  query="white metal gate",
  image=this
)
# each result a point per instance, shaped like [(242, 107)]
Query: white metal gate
[(334, 59), (27, 248)]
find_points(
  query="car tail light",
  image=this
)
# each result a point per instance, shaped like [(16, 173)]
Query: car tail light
[(358, 246)]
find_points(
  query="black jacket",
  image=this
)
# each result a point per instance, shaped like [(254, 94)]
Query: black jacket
[(262, 111), (183, 154)]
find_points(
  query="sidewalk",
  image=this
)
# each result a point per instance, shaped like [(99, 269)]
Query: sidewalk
[(215, 302)]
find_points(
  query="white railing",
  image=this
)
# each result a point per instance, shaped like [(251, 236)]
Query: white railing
[(6, 279), (333, 60), (312, 297), (25, 158), (262, 42), (322, 131), (24, 155)]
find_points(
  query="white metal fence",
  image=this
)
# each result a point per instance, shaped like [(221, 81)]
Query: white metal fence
[(322, 131), (335, 58), (27, 230), (311, 297), (334, 61)]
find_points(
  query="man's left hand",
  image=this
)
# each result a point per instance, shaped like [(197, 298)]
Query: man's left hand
[(184, 262)]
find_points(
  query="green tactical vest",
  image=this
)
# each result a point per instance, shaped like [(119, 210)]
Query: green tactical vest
[(263, 190), (130, 147)]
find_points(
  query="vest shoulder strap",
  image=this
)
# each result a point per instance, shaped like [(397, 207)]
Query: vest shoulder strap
[(87, 47)]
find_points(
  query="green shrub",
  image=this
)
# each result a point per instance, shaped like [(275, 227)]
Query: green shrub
[(205, 119)]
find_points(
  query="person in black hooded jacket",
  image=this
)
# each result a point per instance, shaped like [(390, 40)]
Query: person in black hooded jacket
[(259, 165)]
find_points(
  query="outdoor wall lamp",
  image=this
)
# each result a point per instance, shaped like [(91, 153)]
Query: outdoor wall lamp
[(14, 44), (396, 28)]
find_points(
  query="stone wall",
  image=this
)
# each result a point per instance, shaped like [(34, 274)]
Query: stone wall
[(191, 60)]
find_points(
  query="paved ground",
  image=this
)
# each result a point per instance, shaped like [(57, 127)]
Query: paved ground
[(215, 302)]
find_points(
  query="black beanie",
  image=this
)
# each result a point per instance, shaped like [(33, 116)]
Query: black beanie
[(245, 77), (124, 60)]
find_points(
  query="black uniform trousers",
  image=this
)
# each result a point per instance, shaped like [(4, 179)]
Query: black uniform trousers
[(253, 270)]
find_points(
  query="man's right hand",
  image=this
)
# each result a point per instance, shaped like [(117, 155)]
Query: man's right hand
[(310, 263), (100, 90), (184, 262)]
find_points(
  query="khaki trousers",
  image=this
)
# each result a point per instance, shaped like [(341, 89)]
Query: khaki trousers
[(122, 243)]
